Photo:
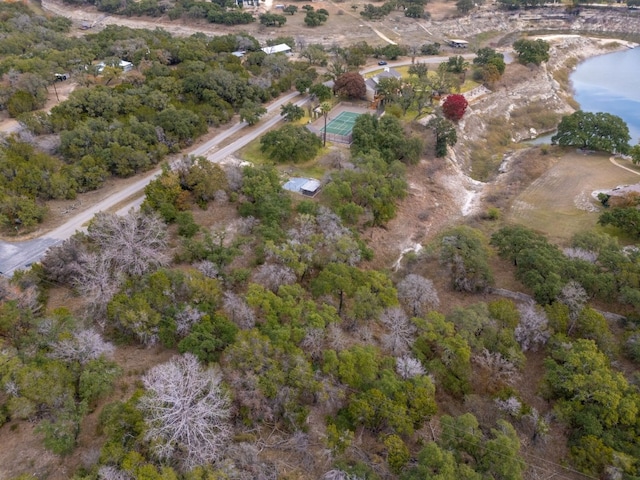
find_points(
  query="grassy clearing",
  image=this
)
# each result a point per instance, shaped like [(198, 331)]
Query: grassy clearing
[(312, 168), (251, 153), (559, 202), (535, 115)]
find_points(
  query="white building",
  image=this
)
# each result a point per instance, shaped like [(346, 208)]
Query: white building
[(280, 48), (124, 65)]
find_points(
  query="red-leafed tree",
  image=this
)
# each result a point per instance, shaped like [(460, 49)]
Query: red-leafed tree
[(350, 84), (454, 107)]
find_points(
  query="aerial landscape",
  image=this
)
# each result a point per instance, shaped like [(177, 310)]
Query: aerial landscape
[(319, 240)]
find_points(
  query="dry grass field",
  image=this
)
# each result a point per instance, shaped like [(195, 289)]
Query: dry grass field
[(560, 203)]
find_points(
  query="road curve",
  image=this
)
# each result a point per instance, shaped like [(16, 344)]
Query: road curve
[(17, 255)]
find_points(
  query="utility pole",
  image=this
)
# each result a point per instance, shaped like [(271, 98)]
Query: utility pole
[(56, 90)]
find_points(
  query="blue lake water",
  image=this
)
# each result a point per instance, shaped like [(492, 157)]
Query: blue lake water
[(611, 83), (608, 83)]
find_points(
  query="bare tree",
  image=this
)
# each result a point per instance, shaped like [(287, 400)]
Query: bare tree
[(25, 296), (246, 225), (336, 337), (238, 311), (247, 464), (499, 367), (581, 254), (187, 412), (187, 318), (532, 331), (82, 347), (575, 297), (61, 263), (339, 475), (418, 294), (135, 243), (96, 281), (207, 268), (234, 177), (272, 276), (313, 343), (409, 367), (112, 473), (511, 405), (401, 331)]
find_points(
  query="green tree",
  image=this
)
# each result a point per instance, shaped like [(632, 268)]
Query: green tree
[(445, 132), (437, 463), (595, 131), (488, 56), (635, 153), (321, 92), (272, 20), (208, 338), (373, 187), (251, 112), (457, 64), (464, 252), (386, 136), (397, 453), (627, 219), (266, 200), (314, 19), (532, 51), (291, 112), (445, 353), (597, 402), (21, 102), (290, 143)]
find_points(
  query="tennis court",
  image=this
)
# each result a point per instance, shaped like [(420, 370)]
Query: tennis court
[(342, 124)]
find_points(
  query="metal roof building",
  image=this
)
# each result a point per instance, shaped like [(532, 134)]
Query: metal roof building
[(280, 48)]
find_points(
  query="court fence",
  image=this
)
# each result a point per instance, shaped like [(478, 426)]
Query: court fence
[(332, 137)]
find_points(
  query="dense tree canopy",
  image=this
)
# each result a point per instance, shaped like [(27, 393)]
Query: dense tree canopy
[(350, 84), (594, 131), (532, 51), (386, 136), (454, 107), (291, 143)]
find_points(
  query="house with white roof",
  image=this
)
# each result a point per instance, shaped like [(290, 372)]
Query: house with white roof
[(280, 48)]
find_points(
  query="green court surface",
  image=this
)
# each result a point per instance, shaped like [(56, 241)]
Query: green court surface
[(342, 124)]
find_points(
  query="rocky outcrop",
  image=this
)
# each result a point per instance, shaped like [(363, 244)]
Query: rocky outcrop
[(611, 21)]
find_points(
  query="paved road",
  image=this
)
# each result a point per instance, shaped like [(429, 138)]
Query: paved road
[(16, 255)]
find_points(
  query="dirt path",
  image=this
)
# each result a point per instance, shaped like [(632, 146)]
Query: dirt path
[(58, 92), (612, 159)]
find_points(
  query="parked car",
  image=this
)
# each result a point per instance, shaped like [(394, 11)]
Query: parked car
[(382, 62)]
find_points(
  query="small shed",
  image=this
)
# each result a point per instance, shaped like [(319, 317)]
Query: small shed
[(310, 188), (457, 43), (280, 48), (304, 186)]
